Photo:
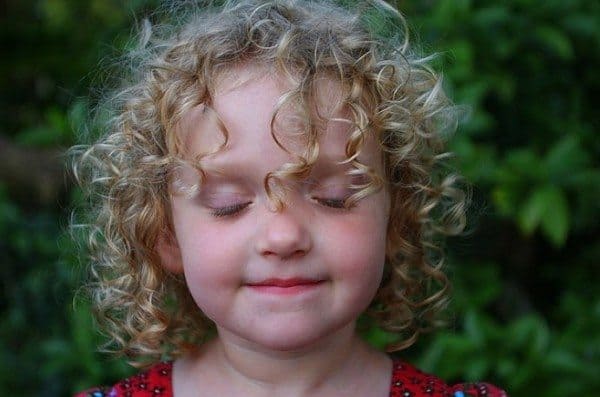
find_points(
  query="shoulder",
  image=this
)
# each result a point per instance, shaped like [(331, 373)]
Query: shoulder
[(155, 381), (408, 381)]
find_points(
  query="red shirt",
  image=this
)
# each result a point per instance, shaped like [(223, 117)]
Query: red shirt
[(407, 381)]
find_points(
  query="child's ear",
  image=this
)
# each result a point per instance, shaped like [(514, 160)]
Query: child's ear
[(169, 253)]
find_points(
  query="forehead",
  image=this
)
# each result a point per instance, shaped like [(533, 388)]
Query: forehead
[(254, 106)]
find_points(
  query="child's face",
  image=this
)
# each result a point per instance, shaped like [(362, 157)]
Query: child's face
[(278, 280)]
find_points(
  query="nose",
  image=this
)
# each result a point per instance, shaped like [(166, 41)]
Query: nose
[(284, 235)]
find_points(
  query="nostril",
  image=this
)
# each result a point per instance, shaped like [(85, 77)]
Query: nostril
[(283, 234), (296, 254), (285, 256)]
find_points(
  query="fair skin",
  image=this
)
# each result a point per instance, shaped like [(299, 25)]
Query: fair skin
[(285, 286)]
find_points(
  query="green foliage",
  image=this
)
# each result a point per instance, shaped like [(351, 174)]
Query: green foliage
[(526, 354), (526, 307), (529, 147)]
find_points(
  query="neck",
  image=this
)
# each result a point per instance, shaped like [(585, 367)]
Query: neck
[(315, 363), (322, 369)]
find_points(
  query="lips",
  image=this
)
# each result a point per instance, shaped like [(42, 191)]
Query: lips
[(284, 283), (285, 286)]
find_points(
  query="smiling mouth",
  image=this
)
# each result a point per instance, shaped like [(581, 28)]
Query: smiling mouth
[(285, 286)]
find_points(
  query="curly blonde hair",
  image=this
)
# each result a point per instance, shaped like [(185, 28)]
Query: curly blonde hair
[(391, 94)]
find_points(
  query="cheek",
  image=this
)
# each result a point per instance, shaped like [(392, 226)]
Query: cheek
[(209, 267), (207, 254), (358, 247)]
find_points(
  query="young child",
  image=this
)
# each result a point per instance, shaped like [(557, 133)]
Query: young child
[(271, 173)]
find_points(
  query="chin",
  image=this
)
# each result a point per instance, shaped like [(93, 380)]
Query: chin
[(294, 338), (287, 344)]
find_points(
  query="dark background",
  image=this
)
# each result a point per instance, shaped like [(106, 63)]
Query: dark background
[(526, 308)]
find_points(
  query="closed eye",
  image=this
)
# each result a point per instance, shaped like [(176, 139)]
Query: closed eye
[(331, 202), (229, 210)]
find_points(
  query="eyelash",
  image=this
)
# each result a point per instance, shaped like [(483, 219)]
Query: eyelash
[(229, 210), (332, 203)]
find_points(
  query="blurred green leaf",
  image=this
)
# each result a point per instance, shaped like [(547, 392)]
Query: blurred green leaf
[(547, 206), (554, 40), (54, 132), (56, 12), (555, 223)]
